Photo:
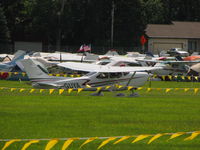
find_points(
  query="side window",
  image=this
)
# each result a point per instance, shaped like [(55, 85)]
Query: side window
[(126, 73), (115, 75), (103, 76)]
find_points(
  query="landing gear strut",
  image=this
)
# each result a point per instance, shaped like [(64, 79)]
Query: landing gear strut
[(133, 93)]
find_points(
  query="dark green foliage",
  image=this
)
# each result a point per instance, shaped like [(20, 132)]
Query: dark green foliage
[(4, 33), (74, 22)]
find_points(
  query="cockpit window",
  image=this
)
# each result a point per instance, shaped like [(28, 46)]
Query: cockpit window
[(126, 73), (133, 64), (103, 76), (103, 63), (115, 75)]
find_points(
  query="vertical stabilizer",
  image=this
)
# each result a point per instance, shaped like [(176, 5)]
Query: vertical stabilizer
[(33, 70), (17, 56)]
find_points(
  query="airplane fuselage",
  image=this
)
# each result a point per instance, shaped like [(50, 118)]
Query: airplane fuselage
[(94, 80)]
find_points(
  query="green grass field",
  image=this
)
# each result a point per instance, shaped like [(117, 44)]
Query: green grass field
[(36, 115)]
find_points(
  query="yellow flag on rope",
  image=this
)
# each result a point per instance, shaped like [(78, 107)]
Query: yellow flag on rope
[(183, 77), (9, 74), (106, 142), (9, 143), (122, 139), (79, 90), (61, 91), (170, 77), (23, 74), (72, 75), (107, 87), (65, 75), (99, 88), (196, 90), (69, 90), (88, 141), (163, 77), (189, 77), (120, 86), (41, 90), (193, 135), (26, 145), (51, 144), (16, 73), (116, 85), (140, 137), (176, 135), (167, 90), (32, 90), (196, 78), (155, 137), (186, 89), (149, 89), (51, 91), (140, 88), (129, 88), (21, 90), (67, 143), (12, 89), (57, 75)]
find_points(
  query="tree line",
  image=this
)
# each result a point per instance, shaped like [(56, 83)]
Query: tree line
[(74, 22)]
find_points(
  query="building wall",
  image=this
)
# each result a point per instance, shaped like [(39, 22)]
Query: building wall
[(156, 45), (28, 46)]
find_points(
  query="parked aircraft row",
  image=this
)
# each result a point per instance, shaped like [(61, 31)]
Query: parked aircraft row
[(56, 62)]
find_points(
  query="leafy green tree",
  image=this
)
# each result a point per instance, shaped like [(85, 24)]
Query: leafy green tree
[(154, 12), (4, 32), (179, 10)]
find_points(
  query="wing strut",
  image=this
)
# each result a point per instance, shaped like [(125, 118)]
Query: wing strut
[(130, 79)]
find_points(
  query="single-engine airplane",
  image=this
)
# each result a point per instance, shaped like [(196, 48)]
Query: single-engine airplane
[(98, 76)]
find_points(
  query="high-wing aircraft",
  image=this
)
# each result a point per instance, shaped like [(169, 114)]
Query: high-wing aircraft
[(98, 76), (10, 65), (170, 67)]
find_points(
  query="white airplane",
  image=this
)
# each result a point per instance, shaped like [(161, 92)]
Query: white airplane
[(75, 57), (98, 76), (170, 67), (9, 66)]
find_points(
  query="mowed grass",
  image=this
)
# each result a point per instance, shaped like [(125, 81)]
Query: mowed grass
[(36, 115)]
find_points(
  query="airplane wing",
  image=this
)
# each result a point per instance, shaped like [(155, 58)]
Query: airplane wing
[(98, 68), (168, 62)]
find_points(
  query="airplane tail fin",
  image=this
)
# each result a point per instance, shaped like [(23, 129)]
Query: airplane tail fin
[(17, 56), (91, 57), (149, 54), (179, 58), (33, 70)]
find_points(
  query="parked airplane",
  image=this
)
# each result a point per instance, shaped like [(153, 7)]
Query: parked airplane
[(170, 67), (98, 76), (9, 66)]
